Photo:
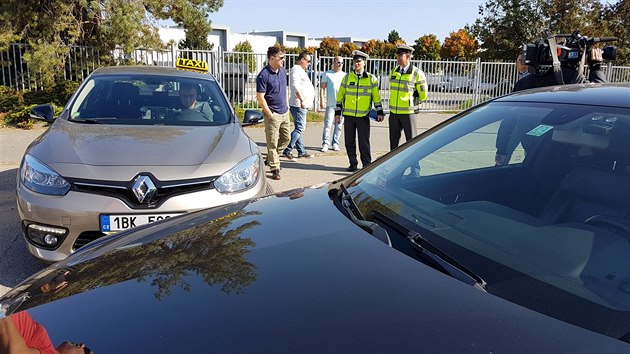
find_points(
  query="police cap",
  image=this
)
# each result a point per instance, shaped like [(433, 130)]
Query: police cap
[(403, 48), (357, 54)]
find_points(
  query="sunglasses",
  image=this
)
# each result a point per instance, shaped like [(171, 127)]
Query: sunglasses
[(339, 62), (280, 58)]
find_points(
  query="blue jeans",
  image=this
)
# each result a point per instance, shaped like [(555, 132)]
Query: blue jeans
[(329, 121), (299, 119)]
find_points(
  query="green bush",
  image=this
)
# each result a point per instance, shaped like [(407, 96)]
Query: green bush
[(59, 94), (20, 117), (10, 99), (18, 104)]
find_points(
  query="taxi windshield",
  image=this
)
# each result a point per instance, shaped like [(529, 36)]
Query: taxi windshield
[(150, 100)]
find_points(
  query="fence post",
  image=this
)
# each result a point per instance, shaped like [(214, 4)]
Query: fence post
[(608, 71), (315, 68), (173, 54), (477, 81)]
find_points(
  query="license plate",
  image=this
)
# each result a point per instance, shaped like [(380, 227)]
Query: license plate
[(121, 222)]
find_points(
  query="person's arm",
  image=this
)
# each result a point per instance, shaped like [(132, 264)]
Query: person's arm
[(595, 73), (504, 135), (261, 89), (11, 340), (421, 86), (294, 80), (376, 99), (322, 89), (260, 98), (341, 94)]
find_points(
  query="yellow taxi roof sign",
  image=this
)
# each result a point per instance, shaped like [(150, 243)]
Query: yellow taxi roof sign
[(199, 66)]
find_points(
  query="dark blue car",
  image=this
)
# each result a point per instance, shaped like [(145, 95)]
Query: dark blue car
[(504, 229)]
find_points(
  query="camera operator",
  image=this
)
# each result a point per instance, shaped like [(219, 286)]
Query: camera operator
[(514, 131)]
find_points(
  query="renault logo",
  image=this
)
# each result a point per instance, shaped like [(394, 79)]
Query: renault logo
[(144, 188)]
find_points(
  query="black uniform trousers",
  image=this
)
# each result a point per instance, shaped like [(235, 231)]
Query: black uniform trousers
[(398, 122), (353, 126)]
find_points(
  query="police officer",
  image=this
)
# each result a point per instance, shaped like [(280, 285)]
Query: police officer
[(357, 94), (407, 89)]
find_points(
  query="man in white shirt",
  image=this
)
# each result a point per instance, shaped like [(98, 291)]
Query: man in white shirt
[(330, 83), (301, 96)]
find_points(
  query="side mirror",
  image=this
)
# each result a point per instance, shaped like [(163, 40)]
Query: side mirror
[(43, 112), (252, 117)]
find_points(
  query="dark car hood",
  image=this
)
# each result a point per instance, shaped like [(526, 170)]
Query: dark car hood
[(288, 273), (145, 145)]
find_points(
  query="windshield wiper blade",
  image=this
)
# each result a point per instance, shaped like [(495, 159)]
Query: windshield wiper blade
[(373, 228), (86, 121), (443, 260)]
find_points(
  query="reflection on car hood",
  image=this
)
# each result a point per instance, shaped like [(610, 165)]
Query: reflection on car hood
[(125, 145), (283, 274)]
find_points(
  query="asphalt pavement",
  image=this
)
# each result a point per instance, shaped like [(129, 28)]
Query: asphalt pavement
[(16, 263)]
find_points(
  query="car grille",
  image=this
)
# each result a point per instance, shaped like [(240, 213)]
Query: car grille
[(85, 238), (123, 190)]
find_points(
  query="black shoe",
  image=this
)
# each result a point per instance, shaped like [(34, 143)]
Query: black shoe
[(306, 155), (275, 175), (352, 168), (288, 156)]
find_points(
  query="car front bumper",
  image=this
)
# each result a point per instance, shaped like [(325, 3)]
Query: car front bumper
[(80, 212)]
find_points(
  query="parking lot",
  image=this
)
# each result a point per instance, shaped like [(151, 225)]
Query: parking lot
[(16, 263)]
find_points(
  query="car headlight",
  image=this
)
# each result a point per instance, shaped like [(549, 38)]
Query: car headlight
[(240, 177), (40, 178)]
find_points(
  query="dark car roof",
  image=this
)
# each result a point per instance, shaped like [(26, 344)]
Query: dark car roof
[(614, 95), (244, 278), (150, 70)]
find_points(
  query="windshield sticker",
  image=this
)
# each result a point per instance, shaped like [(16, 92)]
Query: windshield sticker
[(540, 130)]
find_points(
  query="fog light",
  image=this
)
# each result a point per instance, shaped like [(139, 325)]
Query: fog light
[(50, 240), (45, 236)]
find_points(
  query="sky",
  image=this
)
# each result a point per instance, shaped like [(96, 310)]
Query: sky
[(365, 19)]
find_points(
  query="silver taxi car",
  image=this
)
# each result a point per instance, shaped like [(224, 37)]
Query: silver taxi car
[(132, 146)]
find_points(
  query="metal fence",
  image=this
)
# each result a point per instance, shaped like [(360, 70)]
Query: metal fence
[(453, 85)]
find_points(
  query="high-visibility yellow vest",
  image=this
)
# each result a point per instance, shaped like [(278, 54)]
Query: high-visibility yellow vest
[(402, 88), (357, 94)]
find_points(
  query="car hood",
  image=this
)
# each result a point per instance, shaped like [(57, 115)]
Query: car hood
[(98, 150), (286, 273)]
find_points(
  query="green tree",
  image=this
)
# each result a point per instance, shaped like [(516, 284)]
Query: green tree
[(51, 26), (427, 47), (379, 49), (394, 38), (329, 47), (242, 56), (460, 45), (568, 16), (618, 18), (347, 49), (505, 25)]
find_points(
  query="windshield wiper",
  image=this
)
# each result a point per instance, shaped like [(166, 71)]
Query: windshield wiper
[(446, 264), (373, 228), (86, 121)]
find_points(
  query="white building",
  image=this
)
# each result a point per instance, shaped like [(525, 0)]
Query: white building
[(223, 37)]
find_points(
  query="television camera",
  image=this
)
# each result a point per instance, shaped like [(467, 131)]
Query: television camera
[(571, 53)]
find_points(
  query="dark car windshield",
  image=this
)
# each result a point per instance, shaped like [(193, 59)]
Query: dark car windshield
[(532, 197), (150, 100)]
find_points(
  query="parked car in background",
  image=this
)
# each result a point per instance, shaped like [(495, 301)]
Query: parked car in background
[(128, 150), (431, 248)]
